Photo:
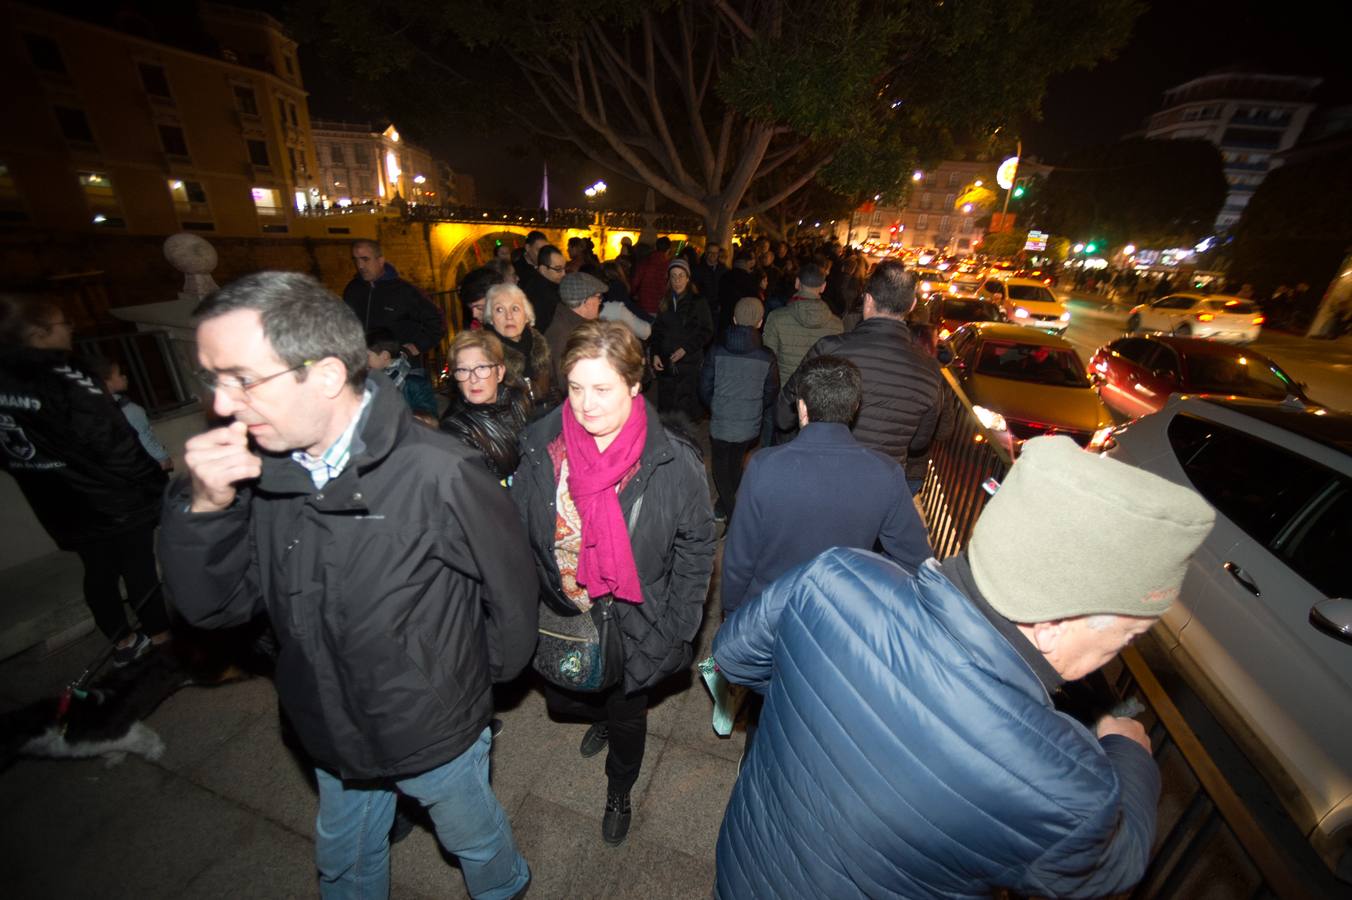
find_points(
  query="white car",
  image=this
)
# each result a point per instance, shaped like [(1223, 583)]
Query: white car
[(1216, 316), (1263, 625), (1027, 302)]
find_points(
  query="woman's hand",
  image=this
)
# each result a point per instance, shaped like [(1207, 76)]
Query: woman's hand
[(678, 355), (657, 363)]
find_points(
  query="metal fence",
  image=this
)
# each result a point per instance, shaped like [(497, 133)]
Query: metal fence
[(157, 377), (965, 470)]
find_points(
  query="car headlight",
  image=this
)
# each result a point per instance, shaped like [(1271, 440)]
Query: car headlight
[(990, 418), (1020, 313), (953, 289), (926, 287), (1065, 316)]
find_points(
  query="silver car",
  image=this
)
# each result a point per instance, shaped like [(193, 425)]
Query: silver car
[(1263, 625)]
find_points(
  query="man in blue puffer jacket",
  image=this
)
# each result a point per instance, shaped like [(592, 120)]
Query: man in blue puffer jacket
[(908, 746)]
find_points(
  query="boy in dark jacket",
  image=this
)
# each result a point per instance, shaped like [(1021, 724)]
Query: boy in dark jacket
[(383, 354), (739, 382)]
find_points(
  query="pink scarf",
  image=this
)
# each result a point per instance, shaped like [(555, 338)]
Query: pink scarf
[(606, 563)]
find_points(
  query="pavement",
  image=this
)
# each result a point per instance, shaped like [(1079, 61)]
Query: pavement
[(228, 811)]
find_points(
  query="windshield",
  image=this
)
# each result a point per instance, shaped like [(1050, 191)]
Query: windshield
[(1034, 292), (967, 281), (1243, 376), (1030, 362), (970, 311)]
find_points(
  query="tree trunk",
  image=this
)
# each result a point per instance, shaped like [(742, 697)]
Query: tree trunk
[(718, 227)]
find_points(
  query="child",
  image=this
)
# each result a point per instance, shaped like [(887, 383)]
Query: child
[(383, 354), (115, 380), (739, 383)]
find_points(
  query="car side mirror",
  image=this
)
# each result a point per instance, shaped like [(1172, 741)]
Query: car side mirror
[(1334, 618)]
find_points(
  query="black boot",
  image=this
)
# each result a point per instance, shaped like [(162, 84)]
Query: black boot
[(595, 740), (615, 824)]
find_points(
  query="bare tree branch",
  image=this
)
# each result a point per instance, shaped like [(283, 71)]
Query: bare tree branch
[(776, 160), (659, 118), (692, 100), (794, 186), (736, 20)]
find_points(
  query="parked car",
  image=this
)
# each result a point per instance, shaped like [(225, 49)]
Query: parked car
[(1216, 316), (1027, 302), (965, 285), (1263, 622), (931, 286), (958, 311), (1024, 383), (1135, 375)]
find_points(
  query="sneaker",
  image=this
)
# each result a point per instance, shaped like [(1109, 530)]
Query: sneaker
[(125, 656), (615, 824), (595, 740)]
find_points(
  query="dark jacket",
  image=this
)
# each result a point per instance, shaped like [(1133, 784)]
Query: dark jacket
[(556, 336), (907, 749), (494, 429), (399, 591), (707, 278), (823, 489), (391, 302), (671, 532), (543, 295), (738, 383), (529, 363), (75, 456), (901, 387), (684, 324)]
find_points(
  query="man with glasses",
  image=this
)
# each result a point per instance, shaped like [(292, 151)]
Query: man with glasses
[(391, 565), (542, 287)]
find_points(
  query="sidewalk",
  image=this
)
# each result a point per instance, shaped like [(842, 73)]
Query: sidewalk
[(228, 812)]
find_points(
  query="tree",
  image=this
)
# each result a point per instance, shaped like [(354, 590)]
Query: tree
[(1003, 243), (1147, 192), (706, 101)]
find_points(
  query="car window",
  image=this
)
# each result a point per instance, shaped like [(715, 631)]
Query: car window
[(970, 311), (1162, 359), (1031, 362), (1133, 350), (1236, 473), (1241, 375), (993, 286), (1316, 545), (1032, 292)]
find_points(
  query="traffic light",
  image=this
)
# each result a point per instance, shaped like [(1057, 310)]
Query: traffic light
[(1019, 191), (1090, 248)]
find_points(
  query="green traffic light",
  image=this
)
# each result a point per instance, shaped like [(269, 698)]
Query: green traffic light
[(1018, 192), (1090, 248)]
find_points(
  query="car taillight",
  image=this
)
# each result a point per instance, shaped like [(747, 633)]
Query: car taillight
[(1259, 320), (1205, 317), (1047, 281)]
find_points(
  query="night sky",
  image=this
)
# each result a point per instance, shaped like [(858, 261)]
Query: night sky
[(1172, 42)]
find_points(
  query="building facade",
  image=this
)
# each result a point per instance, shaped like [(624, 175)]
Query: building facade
[(112, 131), (359, 165), (1251, 117), (944, 211)]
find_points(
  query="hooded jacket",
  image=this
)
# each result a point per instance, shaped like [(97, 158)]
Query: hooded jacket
[(739, 381), (76, 458), (907, 749), (399, 591), (391, 302), (792, 330), (671, 530)]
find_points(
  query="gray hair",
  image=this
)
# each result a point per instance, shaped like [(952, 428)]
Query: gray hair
[(507, 292), (302, 320)]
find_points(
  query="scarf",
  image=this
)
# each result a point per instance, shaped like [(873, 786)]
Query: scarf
[(606, 563), (525, 345)]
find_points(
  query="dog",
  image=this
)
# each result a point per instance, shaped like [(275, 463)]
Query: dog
[(106, 719)]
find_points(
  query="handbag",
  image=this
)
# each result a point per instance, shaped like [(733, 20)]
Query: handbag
[(581, 652)]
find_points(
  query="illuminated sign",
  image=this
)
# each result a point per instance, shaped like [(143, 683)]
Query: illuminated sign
[(1037, 241)]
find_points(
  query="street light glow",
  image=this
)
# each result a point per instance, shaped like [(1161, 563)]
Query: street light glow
[(1078, 248), (967, 207), (1129, 249), (917, 175), (419, 179), (977, 183)]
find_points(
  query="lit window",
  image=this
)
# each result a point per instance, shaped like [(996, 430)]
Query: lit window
[(101, 199), (188, 195), (268, 201)]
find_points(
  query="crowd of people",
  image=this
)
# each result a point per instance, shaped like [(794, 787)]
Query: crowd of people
[(555, 512)]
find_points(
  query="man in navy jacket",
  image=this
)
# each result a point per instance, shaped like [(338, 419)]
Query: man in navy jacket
[(823, 489), (909, 747)]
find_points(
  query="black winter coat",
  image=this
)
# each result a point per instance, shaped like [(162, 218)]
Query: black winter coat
[(901, 387), (671, 532), (684, 323), (399, 591), (76, 458), (391, 302)]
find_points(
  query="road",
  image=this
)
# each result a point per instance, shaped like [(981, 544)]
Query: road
[(1324, 366)]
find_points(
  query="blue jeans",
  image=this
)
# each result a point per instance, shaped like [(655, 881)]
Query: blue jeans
[(352, 832)]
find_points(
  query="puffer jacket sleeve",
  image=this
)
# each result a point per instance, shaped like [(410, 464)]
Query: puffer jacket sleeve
[(1083, 864), (208, 561), (744, 647), (693, 553)]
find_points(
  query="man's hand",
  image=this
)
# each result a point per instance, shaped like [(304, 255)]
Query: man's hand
[(678, 354), (657, 364), (1128, 728), (218, 460)]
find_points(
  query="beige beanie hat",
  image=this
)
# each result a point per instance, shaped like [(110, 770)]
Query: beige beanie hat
[(1072, 533)]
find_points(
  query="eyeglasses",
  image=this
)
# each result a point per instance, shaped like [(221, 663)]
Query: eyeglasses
[(244, 384), (479, 372), (556, 268)]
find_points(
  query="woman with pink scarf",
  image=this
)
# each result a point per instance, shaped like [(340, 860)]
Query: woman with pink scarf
[(618, 512)]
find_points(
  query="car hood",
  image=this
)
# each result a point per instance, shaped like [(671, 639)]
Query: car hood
[(1042, 309), (1077, 408)]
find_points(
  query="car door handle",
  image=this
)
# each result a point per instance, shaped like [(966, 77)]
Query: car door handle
[(1243, 578)]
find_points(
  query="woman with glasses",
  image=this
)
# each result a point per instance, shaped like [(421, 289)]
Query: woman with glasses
[(509, 315), (618, 514), (487, 411)]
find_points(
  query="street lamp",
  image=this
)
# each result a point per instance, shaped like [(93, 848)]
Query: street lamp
[(595, 190), (1078, 248), (1129, 250)]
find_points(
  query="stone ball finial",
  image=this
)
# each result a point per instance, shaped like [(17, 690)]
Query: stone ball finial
[(194, 256)]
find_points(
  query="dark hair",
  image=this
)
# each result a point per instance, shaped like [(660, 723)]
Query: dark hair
[(892, 288), (542, 256), (22, 314), (613, 270), (302, 321), (382, 340), (575, 241), (810, 276), (474, 286), (367, 242), (98, 365), (831, 389), (535, 236), (663, 243)]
